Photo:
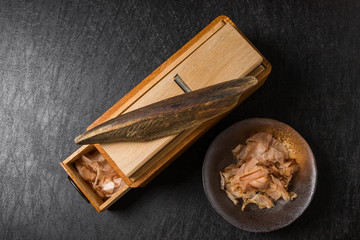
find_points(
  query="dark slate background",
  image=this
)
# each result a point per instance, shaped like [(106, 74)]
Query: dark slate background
[(63, 63)]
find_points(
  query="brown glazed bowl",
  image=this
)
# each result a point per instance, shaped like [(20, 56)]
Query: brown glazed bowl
[(253, 219)]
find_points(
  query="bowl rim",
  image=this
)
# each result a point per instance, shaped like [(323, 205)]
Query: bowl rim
[(233, 221)]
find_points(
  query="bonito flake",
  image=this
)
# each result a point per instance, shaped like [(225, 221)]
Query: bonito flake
[(98, 172), (262, 173)]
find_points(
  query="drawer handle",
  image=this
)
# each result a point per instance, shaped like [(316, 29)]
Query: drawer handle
[(77, 189)]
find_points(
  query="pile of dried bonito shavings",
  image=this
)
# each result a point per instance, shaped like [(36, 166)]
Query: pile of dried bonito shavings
[(98, 172), (262, 174)]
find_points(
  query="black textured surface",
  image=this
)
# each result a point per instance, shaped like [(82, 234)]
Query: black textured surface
[(63, 63)]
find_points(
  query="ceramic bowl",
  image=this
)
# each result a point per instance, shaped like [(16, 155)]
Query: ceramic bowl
[(253, 219)]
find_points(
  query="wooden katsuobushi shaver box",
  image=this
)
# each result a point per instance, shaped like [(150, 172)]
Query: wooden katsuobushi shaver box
[(219, 53)]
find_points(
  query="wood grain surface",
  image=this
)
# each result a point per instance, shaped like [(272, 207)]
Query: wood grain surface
[(217, 57), (62, 63)]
